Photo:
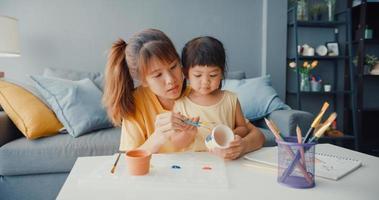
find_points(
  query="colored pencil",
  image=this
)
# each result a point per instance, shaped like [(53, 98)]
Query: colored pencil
[(299, 140)]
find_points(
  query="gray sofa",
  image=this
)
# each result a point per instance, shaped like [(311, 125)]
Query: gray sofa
[(37, 169)]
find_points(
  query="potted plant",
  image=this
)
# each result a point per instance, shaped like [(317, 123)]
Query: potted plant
[(316, 11), (370, 63)]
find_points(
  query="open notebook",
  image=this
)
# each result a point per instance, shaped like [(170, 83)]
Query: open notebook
[(330, 166)]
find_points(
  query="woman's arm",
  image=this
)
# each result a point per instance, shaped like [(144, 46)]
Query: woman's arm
[(241, 126), (134, 133), (254, 140), (170, 127)]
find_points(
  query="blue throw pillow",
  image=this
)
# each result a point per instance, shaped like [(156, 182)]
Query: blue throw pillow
[(77, 104), (256, 95), (96, 77)]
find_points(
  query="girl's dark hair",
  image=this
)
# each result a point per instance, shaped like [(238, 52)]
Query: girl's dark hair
[(132, 60), (203, 51)]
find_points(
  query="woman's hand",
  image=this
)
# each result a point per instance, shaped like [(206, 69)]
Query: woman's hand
[(235, 150), (185, 136), (167, 123), (170, 126)]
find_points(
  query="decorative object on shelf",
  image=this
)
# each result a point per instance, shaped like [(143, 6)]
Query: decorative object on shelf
[(304, 74), (370, 63), (316, 84), (316, 10), (375, 69), (327, 88), (368, 33), (333, 132), (302, 10), (332, 48), (9, 43), (321, 50), (331, 4), (306, 50), (304, 83)]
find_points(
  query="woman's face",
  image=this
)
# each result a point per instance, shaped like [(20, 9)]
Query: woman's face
[(165, 80)]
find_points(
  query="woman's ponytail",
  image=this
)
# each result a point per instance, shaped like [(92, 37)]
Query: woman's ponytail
[(118, 96)]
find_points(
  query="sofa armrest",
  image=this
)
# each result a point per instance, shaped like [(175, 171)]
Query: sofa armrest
[(286, 120), (8, 131)]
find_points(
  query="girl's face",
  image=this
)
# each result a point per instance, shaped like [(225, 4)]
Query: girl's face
[(205, 79), (164, 80)]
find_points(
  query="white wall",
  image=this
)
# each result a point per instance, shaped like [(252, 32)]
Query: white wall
[(77, 33)]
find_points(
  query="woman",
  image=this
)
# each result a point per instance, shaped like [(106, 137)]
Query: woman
[(144, 113)]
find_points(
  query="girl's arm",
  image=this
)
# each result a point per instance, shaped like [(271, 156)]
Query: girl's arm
[(240, 127)]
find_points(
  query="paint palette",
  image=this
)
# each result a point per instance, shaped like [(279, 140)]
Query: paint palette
[(189, 170), (179, 170)]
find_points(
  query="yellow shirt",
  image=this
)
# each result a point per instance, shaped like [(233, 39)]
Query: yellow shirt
[(137, 128), (223, 112)]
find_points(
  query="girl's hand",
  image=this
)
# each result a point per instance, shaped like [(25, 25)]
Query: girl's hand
[(234, 151), (185, 136)]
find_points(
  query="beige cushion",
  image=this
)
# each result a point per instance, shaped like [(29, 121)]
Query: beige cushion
[(31, 116)]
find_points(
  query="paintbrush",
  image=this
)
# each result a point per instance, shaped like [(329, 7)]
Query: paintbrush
[(115, 163), (320, 132), (199, 124), (316, 122)]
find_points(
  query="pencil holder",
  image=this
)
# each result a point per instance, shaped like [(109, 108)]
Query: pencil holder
[(296, 163)]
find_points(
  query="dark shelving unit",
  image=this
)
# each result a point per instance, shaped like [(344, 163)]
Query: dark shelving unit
[(317, 24), (320, 93), (346, 92), (366, 13), (318, 57)]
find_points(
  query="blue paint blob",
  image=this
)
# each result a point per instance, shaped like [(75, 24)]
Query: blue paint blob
[(175, 167)]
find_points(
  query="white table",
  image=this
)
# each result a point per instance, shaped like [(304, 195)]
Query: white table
[(244, 183)]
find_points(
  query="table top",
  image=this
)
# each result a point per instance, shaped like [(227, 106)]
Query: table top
[(245, 181)]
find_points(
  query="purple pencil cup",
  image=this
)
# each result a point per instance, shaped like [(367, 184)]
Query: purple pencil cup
[(296, 163)]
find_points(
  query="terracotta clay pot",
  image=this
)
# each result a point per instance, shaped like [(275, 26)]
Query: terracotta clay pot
[(138, 162)]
